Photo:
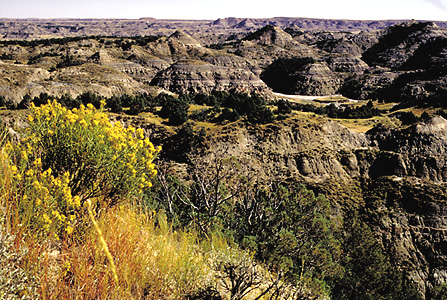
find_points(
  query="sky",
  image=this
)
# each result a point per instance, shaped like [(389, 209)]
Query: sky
[(435, 10)]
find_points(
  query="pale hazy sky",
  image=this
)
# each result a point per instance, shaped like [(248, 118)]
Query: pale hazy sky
[(213, 9)]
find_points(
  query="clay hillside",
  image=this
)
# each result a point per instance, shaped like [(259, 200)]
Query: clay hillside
[(401, 62)]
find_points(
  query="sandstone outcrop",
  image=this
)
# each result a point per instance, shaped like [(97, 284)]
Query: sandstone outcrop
[(346, 63), (302, 77), (184, 39), (420, 150), (415, 233), (200, 77), (271, 35), (317, 79)]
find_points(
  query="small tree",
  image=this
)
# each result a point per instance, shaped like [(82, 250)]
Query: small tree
[(369, 273), (284, 107), (176, 110), (68, 101), (136, 105), (25, 103), (114, 104), (41, 100), (90, 97), (260, 114), (291, 229), (10, 104), (2, 101)]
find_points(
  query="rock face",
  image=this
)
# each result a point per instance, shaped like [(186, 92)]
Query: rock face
[(406, 169), (268, 44), (200, 77), (415, 233), (346, 64), (317, 79), (302, 77), (271, 35), (332, 57), (400, 42), (368, 63), (341, 45), (420, 150), (319, 150), (17, 81), (373, 84), (406, 62), (109, 66), (423, 79), (184, 39), (72, 80)]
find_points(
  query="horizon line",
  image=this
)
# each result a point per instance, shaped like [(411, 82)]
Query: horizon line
[(222, 18)]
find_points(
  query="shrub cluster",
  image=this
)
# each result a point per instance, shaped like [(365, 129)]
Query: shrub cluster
[(286, 227), (136, 103), (340, 112), (235, 105), (68, 156)]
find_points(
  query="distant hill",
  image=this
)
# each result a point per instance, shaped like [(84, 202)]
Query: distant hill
[(11, 29), (404, 62)]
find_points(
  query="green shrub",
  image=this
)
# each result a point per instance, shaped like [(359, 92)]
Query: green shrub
[(2, 101), (440, 292), (176, 110), (260, 114), (10, 104), (369, 272), (114, 104), (284, 107)]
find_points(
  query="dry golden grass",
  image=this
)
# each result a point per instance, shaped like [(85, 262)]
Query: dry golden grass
[(363, 125), (153, 118), (153, 262), (419, 111)]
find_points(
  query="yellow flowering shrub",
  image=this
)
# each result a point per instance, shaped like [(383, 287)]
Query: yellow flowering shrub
[(69, 156), (44, 202)]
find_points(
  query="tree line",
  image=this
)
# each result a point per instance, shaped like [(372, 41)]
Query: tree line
[(135, 40), (224, 105), (340, 112)]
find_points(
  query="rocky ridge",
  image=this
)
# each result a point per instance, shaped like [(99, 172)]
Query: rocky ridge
[(411, 212), (43, 28), (403, 63)]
